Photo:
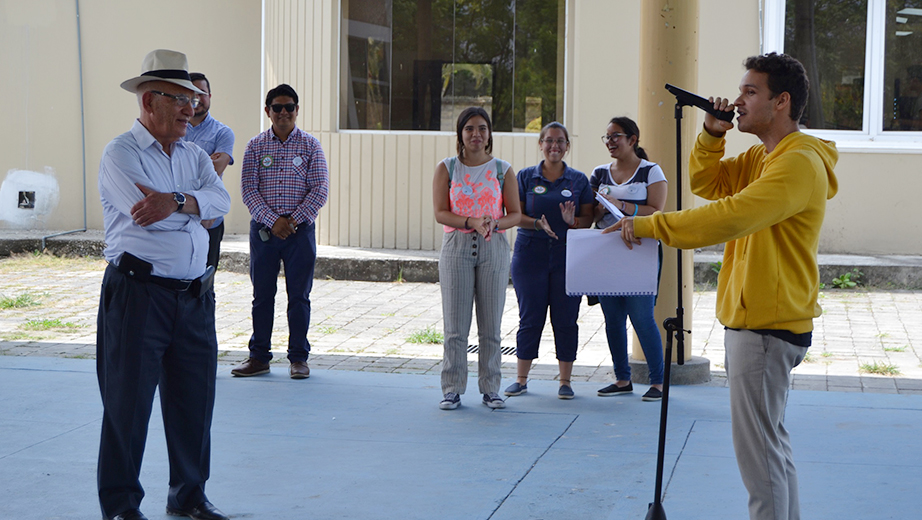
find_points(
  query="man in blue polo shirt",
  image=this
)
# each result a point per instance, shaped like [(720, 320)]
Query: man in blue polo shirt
[(217, 139)]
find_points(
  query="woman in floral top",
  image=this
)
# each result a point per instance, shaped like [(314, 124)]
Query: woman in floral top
[(475, 197)]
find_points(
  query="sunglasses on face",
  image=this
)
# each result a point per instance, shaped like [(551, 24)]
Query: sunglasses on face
[(289, 107)]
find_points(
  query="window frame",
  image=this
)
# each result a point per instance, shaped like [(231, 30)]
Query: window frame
[(872, 138), (341, 42)]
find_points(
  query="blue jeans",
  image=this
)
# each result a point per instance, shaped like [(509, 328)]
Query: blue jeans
[(640, 308), (299, 252)]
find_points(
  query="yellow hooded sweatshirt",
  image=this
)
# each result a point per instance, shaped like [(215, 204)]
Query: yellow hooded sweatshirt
[(769, 209)]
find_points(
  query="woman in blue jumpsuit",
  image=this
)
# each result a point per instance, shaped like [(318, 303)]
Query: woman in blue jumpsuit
[(554, 198)]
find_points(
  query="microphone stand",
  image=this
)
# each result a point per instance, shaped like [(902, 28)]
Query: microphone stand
[(674, 326)]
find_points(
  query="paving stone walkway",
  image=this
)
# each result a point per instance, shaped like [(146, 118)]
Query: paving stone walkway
[(366, 326)]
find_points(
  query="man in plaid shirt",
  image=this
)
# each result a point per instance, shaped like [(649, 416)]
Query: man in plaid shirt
[(285, 182)]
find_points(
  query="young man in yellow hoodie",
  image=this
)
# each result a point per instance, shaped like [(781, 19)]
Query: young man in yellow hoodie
[(769, 206)]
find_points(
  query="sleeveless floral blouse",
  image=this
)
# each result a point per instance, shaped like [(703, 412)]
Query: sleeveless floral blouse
[(475, 191)]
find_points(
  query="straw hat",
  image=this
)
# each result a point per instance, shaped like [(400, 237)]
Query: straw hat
[(163, 65)]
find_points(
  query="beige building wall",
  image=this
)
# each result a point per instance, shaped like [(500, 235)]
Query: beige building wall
[(40, 77), (381, 181)]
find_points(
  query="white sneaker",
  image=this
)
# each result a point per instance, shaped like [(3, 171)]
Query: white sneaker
[(450, 401)]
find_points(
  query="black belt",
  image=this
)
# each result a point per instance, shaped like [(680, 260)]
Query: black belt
[(137, 269), (804, 339), (171, 283)]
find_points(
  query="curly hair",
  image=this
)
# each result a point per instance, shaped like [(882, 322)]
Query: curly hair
[(785, 74)]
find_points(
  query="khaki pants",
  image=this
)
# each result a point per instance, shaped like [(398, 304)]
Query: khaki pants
[(759, 371)]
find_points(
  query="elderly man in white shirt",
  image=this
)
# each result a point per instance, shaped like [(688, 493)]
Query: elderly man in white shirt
[(156, 310)]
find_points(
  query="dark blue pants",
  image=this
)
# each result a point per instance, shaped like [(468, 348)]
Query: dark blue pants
[(539, 277), (299, 253), (148, 335)]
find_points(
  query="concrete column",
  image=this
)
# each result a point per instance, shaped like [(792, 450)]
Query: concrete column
[(668, 54)]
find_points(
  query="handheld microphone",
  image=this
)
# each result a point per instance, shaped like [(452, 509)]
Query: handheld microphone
[(687, 98)]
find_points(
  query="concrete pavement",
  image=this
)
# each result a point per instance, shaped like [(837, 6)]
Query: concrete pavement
[(363, 437), (357, 445)]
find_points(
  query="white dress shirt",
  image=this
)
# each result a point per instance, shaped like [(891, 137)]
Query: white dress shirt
[(177, 246)]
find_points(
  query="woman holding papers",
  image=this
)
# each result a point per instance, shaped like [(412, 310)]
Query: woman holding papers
[(476, 198), (554, 198), (635, 186)]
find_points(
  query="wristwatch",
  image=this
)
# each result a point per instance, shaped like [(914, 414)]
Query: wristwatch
[(180, 199)]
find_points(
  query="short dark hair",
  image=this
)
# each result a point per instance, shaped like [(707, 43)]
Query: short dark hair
[(198, 76), (281, 90), (465, 116), (785, 74)]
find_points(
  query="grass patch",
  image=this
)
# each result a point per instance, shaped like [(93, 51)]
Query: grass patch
[(18, 302), (848, 280), (30, 261), (895, 349), (883, 369), (327, 329), (427, 335), (16, 336), (54, 324), (826, 354), (808, 358)]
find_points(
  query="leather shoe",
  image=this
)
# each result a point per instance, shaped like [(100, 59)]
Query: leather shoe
[(131, 514), (299, 370), (251, 367), (204, 511)]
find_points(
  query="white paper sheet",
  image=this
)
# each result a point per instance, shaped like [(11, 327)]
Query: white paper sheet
[(602, 265), (609, 206)]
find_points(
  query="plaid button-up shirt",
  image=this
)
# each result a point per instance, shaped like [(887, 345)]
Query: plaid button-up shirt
[(284, 178)]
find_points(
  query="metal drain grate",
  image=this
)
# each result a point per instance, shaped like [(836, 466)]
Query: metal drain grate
[(505, 351)]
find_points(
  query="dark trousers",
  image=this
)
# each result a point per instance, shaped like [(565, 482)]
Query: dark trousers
[(148, 336), (539, 277), (299, 253), (215, 235)]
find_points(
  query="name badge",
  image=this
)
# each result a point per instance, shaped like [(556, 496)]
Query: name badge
[(566, 193), (540, 190), (266, 161), (297, 160), (467, 190)]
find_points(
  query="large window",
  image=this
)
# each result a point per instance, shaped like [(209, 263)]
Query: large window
[(864, 60), (416, 64)]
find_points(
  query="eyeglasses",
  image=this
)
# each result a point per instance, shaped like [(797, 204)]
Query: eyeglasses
[(181, 99), (558, 142), (289, 107), (612, 137)]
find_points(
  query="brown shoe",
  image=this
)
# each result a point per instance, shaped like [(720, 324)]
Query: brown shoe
[(299, 370), (250, 367)]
